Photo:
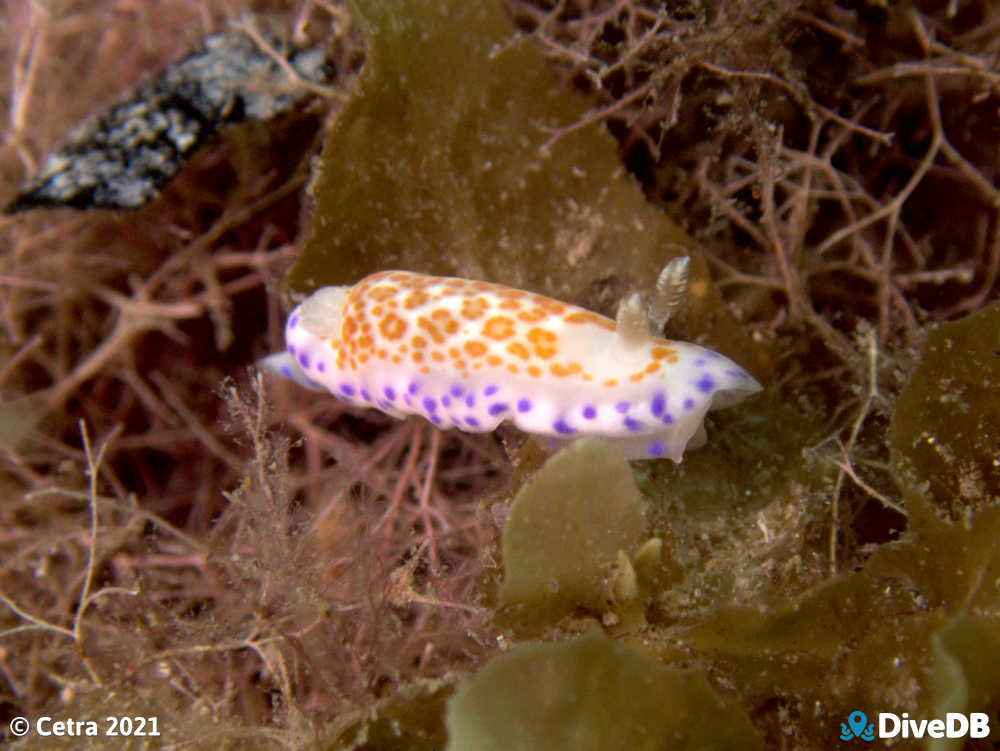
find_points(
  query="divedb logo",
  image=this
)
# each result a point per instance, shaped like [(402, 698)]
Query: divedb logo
[(954, 725)]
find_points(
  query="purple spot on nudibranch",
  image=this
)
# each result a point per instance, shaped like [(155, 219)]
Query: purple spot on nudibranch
[(436, 419), (700, 362), (390, 393), (321, 366), (524, 405), (383, 404), (656, 449), (304, 360), (590, 412), (667, 418), (688, 403), (498, 408), (291, 350), (472, 421), (706, 383), (429, 404), (457, 390), (490, 390), (365, 395), (413, 388), (632, 424), (286, 371), (658, 405), (736, 373), (407, 400), (470, 401), (346, 389), (445, 400), (622, 407), (561, 426), (293, 321)]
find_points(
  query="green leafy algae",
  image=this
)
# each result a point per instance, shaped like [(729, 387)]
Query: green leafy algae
[(569, 535), (945, 432), (591, 694), (437, 164), (440, 164), (895, 636), (412, 719)]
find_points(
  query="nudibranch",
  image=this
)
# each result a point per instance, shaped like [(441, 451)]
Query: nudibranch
[(469, 354)]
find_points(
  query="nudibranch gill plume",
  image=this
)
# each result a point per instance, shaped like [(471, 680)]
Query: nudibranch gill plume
[(469, 354)]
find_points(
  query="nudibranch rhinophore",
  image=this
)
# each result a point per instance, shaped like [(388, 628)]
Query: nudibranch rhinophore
[(470, 354)]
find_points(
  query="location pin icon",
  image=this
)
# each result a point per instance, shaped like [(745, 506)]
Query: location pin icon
[(857, 721)]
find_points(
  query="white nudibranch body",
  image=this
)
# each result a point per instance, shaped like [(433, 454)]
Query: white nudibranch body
[(470, 354)]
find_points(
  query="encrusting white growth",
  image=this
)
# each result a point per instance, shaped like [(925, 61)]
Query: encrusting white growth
[(470, 354)]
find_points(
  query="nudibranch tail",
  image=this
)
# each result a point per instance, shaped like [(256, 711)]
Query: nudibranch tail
[(470, 355)]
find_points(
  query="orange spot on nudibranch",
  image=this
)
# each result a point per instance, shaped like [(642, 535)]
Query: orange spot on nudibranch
[(518, 350), (494, 361), (585, 316), (611, 382), (432, 331), (652, 367), (543, 341), (418, 342), (499, 327), (513, 368), (475, 348), (553, 307), (413, 281), (636, 377), (509, 293), (437, 356), (663, 352), (562, 371), (392, 327), (510, 305), (534, 315), (474, 308), (445, 320), (383, 292), (415, 299), (534, 371)]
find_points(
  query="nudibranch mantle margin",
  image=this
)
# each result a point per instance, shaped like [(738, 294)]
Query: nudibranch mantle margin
[(469, 355)]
